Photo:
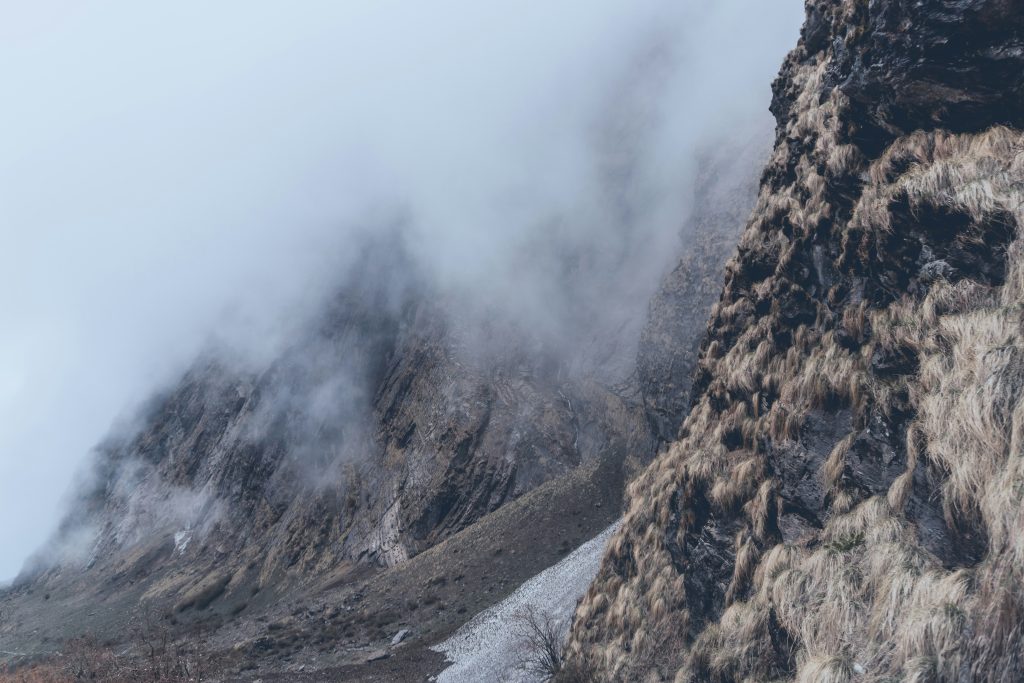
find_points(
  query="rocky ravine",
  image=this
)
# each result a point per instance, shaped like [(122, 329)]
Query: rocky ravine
[(844, 500)]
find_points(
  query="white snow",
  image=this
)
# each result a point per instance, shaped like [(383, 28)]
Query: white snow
[(489, 647), (181, 540)]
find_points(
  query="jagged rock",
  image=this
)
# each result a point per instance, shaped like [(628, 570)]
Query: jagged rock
[(955, 64)]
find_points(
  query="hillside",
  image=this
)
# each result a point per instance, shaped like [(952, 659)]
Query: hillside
[(402, 463), (801, 431), (844, 501)]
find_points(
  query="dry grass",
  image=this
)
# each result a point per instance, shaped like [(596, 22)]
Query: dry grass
[(152, 656), (863, 601)]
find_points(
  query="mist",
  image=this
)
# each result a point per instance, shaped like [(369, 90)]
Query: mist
[(179, 173)]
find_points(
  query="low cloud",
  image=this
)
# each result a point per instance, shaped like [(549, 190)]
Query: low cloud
[(182, 173)]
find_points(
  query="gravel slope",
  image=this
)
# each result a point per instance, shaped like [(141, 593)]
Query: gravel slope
[(489, 647)]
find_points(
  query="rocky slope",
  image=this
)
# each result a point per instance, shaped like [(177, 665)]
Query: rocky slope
[(381, 432), (363, 463), (844, 500)]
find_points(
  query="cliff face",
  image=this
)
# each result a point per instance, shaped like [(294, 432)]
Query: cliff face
[(844, 500), (394, 423), (388, 426)]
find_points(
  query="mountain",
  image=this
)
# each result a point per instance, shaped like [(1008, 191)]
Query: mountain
[(844, 499), (405, 461), (804, 439)]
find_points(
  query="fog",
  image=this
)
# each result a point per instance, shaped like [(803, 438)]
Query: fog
[(173, 173)]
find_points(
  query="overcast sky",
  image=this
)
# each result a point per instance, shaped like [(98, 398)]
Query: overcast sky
[(171, 171)]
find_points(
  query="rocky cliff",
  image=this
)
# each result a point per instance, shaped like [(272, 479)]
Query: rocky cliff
[(366, 464), (388, 425), (844, 499)]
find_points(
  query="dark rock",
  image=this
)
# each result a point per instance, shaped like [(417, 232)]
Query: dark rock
[(956, 64)]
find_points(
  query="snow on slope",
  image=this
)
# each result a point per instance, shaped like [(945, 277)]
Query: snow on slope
[(490, 646)]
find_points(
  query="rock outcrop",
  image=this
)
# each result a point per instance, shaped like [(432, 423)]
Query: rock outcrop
[(845, 499)]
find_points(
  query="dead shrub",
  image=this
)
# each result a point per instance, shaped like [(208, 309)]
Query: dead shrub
[(543, 641)]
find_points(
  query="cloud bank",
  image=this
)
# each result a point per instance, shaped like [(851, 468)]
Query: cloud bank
[(177, 172)]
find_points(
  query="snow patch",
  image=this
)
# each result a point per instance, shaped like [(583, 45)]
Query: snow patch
[(181, 540), (489, 647)]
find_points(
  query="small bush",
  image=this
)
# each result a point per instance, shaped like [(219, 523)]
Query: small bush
[(543, 639)]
